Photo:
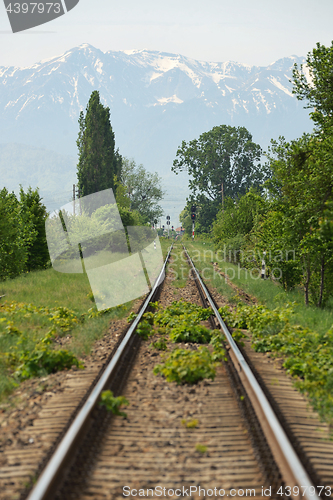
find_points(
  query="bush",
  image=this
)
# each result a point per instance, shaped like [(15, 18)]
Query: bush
[(42, 360)]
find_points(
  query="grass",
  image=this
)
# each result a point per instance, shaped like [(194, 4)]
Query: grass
[(165, 245), (266, 292), (49, 288), (178, 268), (43, 303)]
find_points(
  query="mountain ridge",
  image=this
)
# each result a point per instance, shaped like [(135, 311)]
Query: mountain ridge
[(156, 100)]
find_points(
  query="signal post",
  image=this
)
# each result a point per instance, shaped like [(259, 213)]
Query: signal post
[(168, 223)]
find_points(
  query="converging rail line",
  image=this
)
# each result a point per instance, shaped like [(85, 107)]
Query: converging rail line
[(249, 453)]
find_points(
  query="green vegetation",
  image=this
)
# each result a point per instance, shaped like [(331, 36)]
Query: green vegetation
[(144, 328), (32, 318), (201, 448), (223, 159), (184, 366), (102, 167), (288, 220), (143, 190), (308, 355), (319, 92), (267, 292), (191, 423), (22, 233), (160, 344), (25, 342), (23, 245), (178, 269), (98, 162), (281, 324), (181, 323), (40, 359), (113, 403)]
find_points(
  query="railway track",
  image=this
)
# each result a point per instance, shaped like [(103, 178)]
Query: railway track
[(239, 448)]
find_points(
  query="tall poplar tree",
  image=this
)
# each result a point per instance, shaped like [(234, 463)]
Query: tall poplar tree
[(98, 162)]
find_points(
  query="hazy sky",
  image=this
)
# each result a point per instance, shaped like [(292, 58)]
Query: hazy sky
[(252, 32)]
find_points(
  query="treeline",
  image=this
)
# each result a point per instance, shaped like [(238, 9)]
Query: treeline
[(287, 219), (23, 245)]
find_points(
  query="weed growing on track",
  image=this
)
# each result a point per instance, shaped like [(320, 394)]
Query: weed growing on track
[(184, 366), (308, 355), (113, 403), (201, 448), (160, 344), (190, 424), (181, 322)]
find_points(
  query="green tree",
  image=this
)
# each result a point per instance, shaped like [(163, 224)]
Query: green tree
[(304, 186), (98, 161), (223, 159), (185, 219), (35, 213), (122, 198), (16, 234), (235, 223), (318, 89), (143, 189)]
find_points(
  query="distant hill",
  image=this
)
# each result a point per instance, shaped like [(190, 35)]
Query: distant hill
[(156, 100)]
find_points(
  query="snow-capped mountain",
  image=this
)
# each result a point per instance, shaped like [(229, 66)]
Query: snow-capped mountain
[(156, 100)]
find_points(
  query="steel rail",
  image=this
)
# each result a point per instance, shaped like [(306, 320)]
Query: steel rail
[(52, 472), (284, 454)]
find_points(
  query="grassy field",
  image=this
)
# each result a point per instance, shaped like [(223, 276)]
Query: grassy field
[(38, 307)]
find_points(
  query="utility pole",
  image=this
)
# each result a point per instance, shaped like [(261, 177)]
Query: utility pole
[(74, 199), (263, 266), (222, 197), (193, 209), (80, 201)]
